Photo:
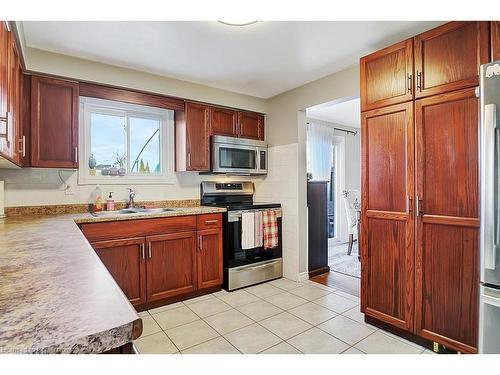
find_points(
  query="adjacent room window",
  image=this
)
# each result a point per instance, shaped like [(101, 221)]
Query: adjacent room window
[(125, 143)]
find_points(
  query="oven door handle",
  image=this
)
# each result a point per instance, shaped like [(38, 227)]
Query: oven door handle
[(233, 216)]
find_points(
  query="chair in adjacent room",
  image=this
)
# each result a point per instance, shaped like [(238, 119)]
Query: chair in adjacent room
[(352, 204)]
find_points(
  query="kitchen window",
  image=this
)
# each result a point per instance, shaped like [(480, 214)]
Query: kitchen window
[(125, 143)]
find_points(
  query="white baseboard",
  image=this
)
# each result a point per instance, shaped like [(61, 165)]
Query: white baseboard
[(303, 276)]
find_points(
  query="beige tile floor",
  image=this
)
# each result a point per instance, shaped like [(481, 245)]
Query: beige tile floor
[(278, 317)]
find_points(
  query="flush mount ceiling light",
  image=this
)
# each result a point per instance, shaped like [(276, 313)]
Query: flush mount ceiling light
[(239, 22)]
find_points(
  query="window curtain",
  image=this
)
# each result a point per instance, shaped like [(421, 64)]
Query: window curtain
[(319, 151)]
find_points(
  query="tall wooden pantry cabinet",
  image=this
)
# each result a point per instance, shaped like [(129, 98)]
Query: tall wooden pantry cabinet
[(420, 184)]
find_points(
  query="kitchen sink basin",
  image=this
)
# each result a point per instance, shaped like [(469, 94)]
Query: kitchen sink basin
[(156, 210), (131, 211)]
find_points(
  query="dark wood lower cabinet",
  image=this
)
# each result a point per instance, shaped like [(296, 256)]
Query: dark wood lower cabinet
[(167, 260), (387, 236), (419, 240), (447, 252), (125, 261), (171, 265), (209, 258)]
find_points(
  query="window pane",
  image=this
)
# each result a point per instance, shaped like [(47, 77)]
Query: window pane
[(107, 143), (144, 145)]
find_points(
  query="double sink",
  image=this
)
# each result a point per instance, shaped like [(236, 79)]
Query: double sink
[(131, 211)]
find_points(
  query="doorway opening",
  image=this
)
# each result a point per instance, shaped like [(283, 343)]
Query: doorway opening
[(333, 157)]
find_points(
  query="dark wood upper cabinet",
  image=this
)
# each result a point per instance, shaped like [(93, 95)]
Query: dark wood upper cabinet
[(251, 125), (4, 89), (387, 244), (447, 252), (54, 123), (125, 261), (171, 265), (387, 76), (448, 57), (197, 137), (495, 40), (209, 258), (11, 131), (223, 122), (14, 102)]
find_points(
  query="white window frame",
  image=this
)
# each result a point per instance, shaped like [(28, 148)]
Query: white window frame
[(167, 155)]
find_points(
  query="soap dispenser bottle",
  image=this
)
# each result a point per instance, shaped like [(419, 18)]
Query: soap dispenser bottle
[(110, 203), (98, 206)]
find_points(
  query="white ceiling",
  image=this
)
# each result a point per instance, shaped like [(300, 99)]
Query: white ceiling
[(263, 59), (344, 113)]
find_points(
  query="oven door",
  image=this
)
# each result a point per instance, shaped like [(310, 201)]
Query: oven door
[(235, 256), (233, 158)]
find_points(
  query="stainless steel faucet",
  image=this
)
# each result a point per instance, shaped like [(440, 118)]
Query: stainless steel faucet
[(131, 197)]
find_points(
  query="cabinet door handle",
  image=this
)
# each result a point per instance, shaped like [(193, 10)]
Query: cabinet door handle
[(150, 253), (189, 159), (143, 252), (418, 208), (22, 149), (410, 204), (200, 242), (8, 119), (76, 155), (419, 81), (409, 83), (6, 133)]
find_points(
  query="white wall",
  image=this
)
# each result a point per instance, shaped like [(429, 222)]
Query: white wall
[(286, 133), (86, 70), (35, 186)]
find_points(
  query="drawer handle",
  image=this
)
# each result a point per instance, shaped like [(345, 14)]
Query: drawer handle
[(210, 222)]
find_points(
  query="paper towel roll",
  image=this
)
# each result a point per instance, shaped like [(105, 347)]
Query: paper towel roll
[(2, 200)]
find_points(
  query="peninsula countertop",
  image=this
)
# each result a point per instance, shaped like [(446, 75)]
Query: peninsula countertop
[(55, 294)]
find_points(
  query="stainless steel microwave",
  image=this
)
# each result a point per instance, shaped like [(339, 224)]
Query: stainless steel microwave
[(238, 156)]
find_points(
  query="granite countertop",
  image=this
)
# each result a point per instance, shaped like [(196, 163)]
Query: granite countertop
[(55, 294), (113, 216)]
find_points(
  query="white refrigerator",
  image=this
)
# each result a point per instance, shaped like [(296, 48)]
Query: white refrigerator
[(489, 310)]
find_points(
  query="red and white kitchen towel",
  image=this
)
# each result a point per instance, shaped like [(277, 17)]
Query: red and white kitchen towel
[(259, 229), (270, 226)]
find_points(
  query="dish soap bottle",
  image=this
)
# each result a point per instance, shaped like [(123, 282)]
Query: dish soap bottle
[(110, 203), (97, 199)]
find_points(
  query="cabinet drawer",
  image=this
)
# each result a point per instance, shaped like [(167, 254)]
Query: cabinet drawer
[(209, 221), (139, 227)]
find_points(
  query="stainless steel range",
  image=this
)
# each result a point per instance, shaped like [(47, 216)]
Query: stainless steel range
[(243, 267)]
